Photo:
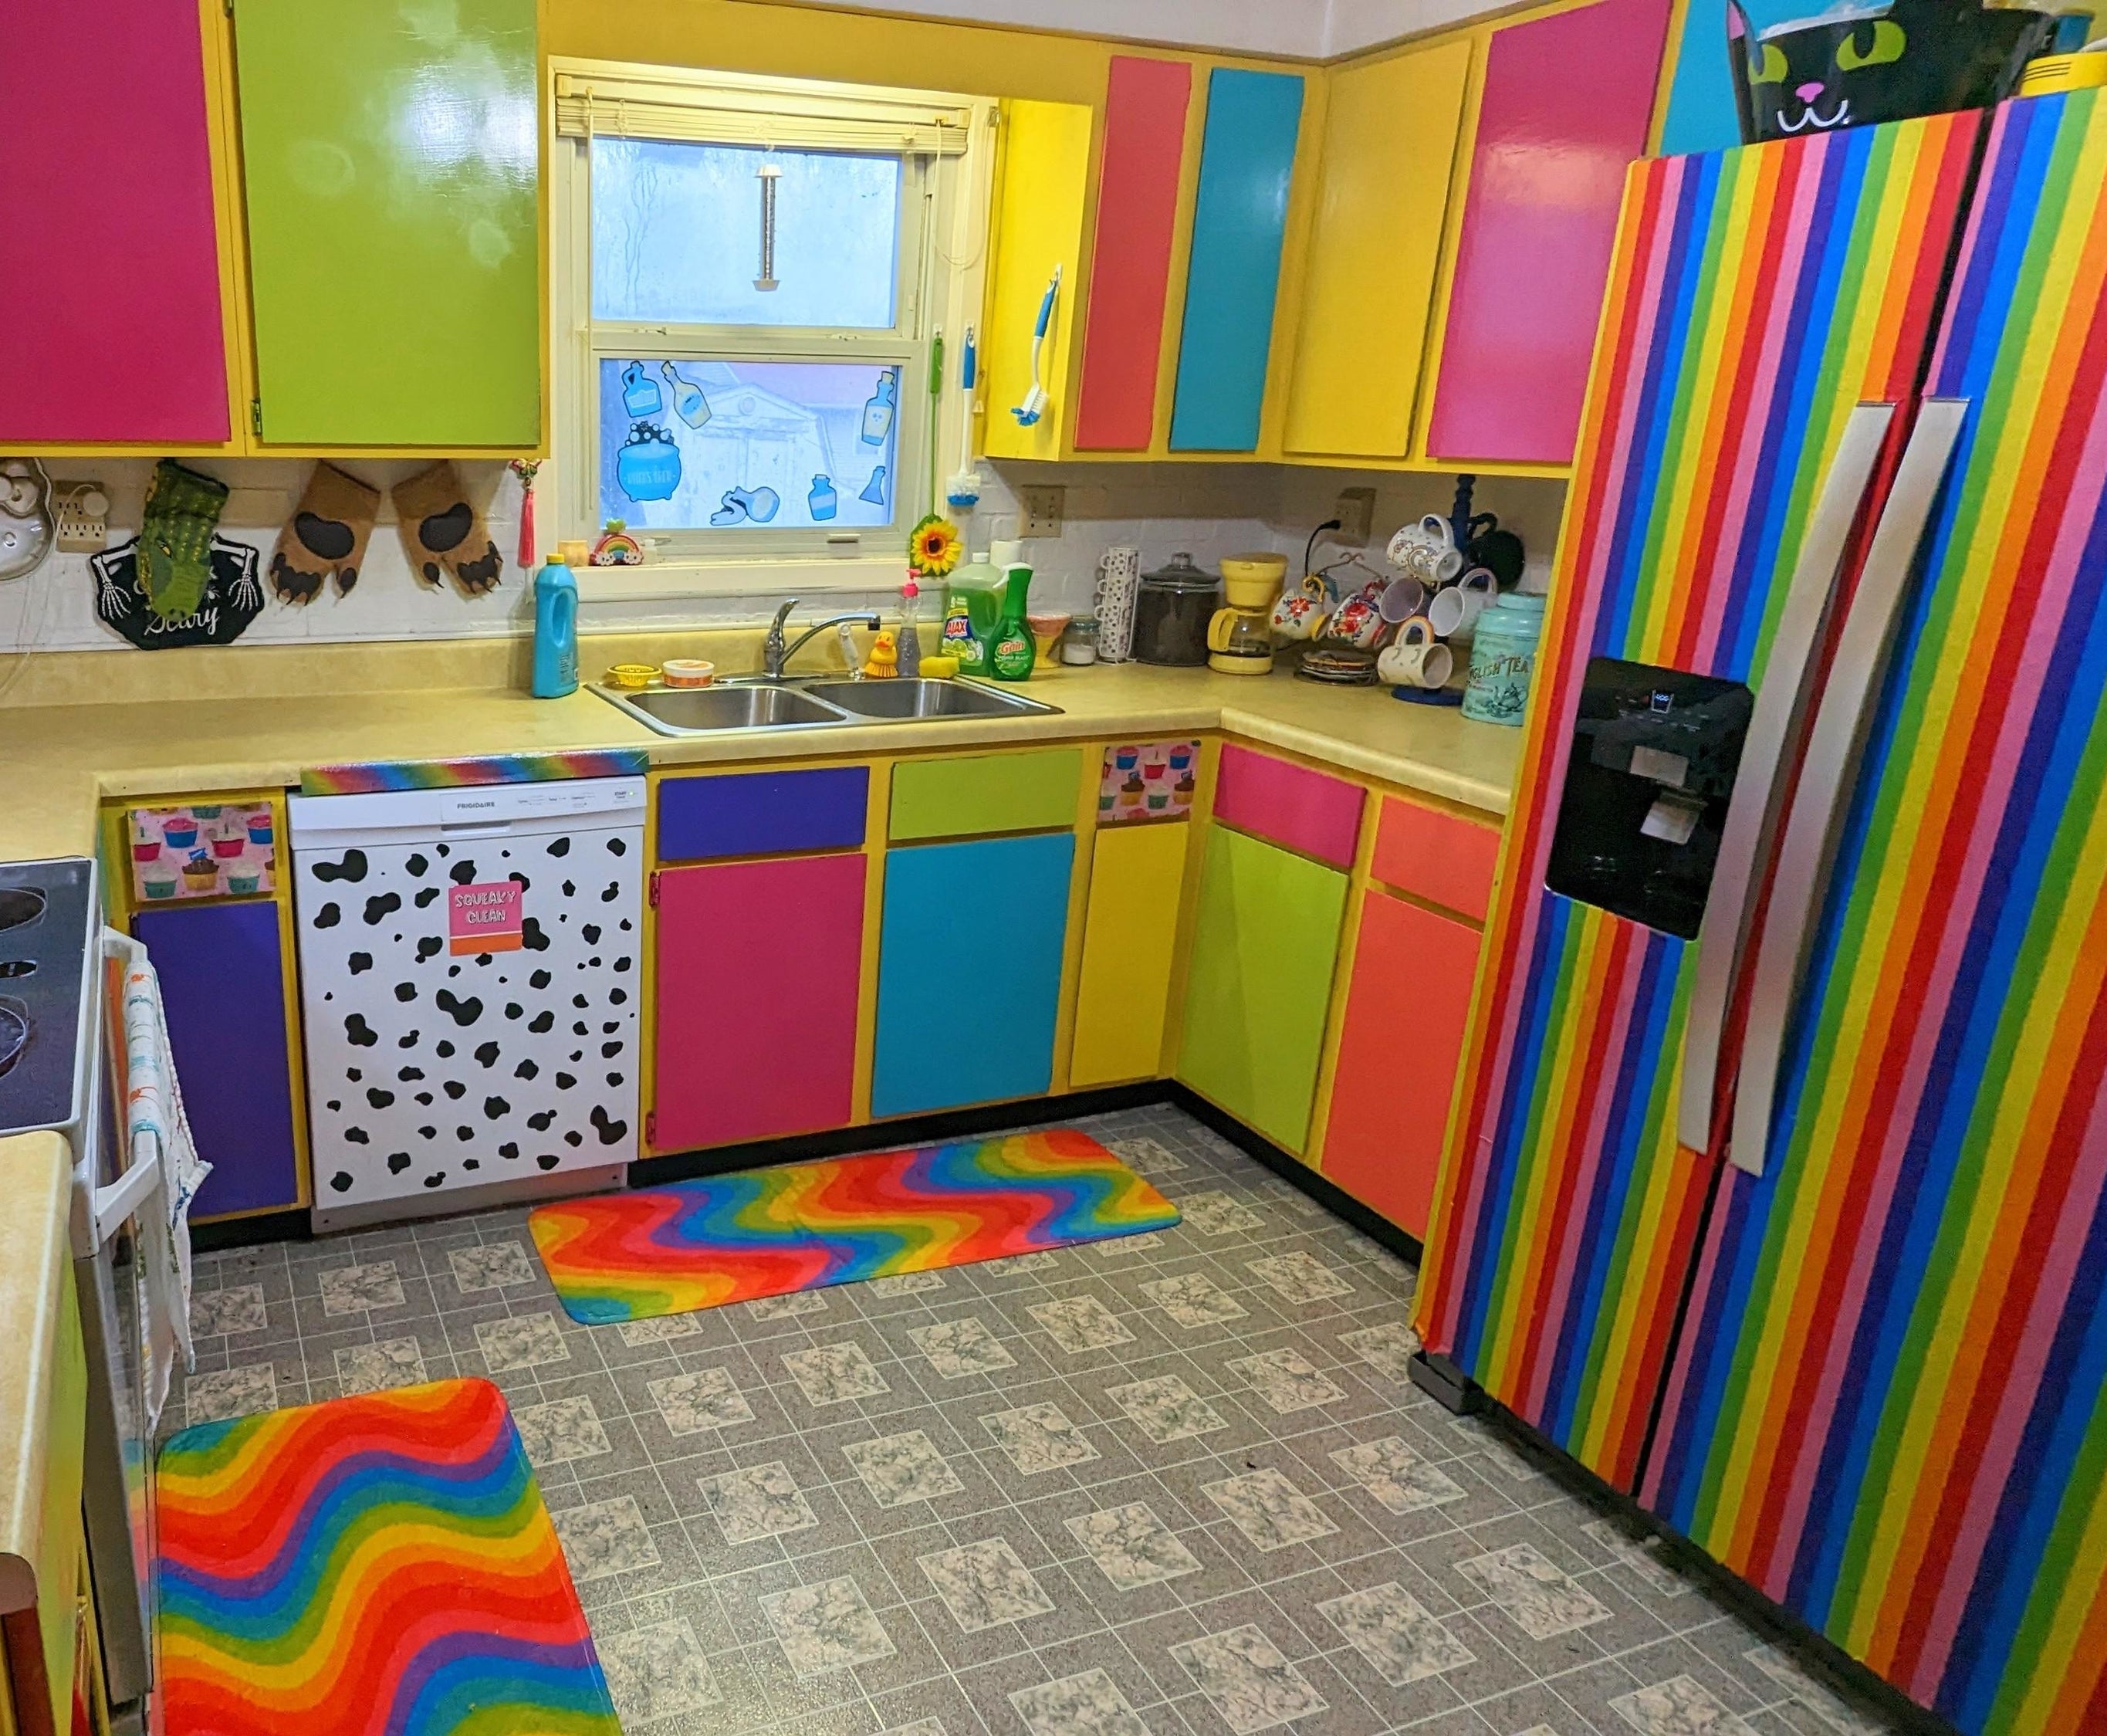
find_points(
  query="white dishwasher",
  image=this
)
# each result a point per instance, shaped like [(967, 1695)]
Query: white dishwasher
[(469, 964)]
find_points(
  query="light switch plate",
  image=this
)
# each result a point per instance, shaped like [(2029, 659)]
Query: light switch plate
[(1043, 508), (1355, 510)]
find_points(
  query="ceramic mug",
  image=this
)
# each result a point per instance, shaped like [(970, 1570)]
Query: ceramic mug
[(1417, 659), (1404, 599), (1426, 552), (1455, 608), (1359, 621), (1300, 614)]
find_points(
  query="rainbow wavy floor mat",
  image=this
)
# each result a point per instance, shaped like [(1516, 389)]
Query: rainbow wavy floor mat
[(378, 1566), (701, 1244)]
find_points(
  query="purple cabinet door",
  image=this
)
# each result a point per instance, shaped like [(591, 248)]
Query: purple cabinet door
[(223, 981), (1568, 101), (110, 272)]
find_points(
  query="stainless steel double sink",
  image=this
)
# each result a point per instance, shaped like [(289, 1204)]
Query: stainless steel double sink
[(819, 704)]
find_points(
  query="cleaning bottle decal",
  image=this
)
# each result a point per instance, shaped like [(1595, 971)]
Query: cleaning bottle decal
[(1012, 655), (884, 405), (556, 632)]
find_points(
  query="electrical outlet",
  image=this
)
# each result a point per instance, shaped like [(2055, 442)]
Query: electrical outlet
[(81, 517), (1355, 510), (1042, 511)]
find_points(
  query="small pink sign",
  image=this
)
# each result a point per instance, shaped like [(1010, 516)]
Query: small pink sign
[(485, 918)]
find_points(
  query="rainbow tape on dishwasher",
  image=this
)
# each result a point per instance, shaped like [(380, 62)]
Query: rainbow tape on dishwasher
[(730, 1238), (382, 775), (375, 1566)]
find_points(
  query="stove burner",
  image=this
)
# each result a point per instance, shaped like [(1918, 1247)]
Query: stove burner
[(17, 968), (20, 904), (14, 1034)]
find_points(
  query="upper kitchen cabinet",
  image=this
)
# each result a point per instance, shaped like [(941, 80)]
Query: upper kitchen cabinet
[(1233, 281), (1146, 106), (391, 155), (1568, 101), (1042, 188), (110, 273), (1390, 135)]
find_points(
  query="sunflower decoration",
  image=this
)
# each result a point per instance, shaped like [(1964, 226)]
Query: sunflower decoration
[(932, 549)]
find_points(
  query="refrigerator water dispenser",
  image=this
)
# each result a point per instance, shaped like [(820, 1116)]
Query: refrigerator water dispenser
[(1654, 754)]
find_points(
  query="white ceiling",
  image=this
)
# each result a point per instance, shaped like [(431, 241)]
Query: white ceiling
[(1311, 29)]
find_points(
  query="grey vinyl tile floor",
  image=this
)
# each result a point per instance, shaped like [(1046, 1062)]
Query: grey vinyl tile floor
[(1177, 1485)]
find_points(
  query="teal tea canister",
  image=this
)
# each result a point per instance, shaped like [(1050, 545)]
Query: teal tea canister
[(1503, 660)]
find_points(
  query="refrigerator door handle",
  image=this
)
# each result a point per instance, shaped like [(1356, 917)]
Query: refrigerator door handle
[(1835, 745), (1756, 809)]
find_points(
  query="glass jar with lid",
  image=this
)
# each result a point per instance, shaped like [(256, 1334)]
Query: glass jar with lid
[(1171, 611)]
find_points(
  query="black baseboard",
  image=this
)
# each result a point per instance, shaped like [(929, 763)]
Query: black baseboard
[(251, 1232), (918, 1130)]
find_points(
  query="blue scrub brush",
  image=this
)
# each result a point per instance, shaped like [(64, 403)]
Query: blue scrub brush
[(963, 492), (1037, 402)]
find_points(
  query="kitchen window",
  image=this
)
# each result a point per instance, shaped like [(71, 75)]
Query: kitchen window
[(749, 280)]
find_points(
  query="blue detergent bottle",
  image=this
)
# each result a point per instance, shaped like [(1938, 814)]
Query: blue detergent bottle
[(556, 632)]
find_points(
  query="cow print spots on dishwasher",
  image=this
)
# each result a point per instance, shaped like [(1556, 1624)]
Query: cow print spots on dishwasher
[(352, 868), (511, 1035)]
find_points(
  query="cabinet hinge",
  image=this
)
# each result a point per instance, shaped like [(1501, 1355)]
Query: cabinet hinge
[(651, 1129), (654, 888), (255, 404)]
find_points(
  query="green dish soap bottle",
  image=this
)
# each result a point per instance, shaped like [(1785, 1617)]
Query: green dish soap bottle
[(1013, 655)]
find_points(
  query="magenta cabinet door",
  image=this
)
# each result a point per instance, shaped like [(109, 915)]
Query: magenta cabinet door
[(110, 272), (758, 968), (1567, 104)]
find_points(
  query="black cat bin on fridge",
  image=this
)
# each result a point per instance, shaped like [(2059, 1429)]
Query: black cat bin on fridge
[(1858, 66)]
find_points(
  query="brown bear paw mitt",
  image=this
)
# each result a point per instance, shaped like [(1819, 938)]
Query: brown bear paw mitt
[(326, 536), (443, 535)]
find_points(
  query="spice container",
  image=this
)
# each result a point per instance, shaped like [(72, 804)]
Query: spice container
[(1079, 645)]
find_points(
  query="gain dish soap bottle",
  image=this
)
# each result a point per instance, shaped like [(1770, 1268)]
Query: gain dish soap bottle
[(1012, 653)]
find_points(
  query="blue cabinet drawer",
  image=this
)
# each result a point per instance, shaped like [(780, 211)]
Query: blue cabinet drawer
[(762, 813)]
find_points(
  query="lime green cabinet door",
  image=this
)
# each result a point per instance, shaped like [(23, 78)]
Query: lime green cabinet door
[(390, 151), (1260, 983)]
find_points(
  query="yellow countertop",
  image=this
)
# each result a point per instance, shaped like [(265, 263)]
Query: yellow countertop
[(57, 761), (35, 1265)]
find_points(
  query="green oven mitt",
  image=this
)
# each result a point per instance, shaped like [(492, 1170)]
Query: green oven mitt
[(175, 539)]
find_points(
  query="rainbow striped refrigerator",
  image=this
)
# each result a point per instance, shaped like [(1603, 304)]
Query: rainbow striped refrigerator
[(1777, 1191)]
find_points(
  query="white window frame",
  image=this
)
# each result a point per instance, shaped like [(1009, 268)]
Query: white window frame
[(946, 203)]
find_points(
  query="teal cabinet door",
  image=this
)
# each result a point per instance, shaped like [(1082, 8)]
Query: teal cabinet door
[(391, 156), (1259, 987), (969, 972), (1239, 228)]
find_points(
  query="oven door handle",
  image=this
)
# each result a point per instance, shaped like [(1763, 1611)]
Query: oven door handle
[(100, 1212)]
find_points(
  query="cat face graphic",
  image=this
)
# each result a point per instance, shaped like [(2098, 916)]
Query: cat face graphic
[(1861, 65)]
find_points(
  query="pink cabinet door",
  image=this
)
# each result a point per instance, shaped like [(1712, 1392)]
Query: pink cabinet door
[(758, 968), (110, 270), (1567, 103)]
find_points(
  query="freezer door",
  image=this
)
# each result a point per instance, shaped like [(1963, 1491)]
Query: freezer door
[(1759, 297), (459, 1033), (1889, 1411)]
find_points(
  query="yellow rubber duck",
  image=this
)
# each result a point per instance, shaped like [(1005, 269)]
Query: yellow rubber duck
[(884, 658)]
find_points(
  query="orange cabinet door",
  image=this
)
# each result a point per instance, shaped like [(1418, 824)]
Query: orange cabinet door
[(1398, 1055)]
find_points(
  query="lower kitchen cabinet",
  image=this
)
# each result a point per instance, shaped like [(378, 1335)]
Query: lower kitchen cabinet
[(222, 976), (1264, 947), (1407, 1011), (759, 965), (969, 972), (1129, 946)]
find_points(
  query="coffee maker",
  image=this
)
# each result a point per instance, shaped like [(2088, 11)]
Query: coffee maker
[(1240, 637)]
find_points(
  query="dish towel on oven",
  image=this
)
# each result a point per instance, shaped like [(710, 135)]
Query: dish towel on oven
[(160, 1133)]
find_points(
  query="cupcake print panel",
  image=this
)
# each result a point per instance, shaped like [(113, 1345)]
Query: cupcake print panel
[(1148, 780), (207, 850)]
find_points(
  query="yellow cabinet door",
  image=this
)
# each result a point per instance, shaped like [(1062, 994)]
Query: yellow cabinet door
[(1130, 941), (1390, 137)]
